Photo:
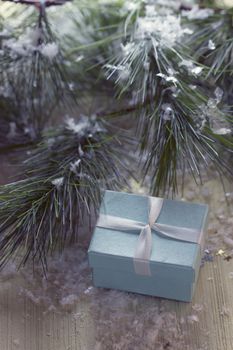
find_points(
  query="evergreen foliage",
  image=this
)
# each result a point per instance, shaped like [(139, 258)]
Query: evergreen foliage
[(63, 180)]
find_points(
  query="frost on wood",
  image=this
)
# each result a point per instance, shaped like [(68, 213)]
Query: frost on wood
[(121, 319), (193, 319)]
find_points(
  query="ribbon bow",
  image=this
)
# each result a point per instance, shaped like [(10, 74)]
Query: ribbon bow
[(144, 245)]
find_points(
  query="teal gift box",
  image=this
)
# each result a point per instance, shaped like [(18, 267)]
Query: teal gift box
[(153, 250)]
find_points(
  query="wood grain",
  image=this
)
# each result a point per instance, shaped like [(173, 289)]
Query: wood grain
[(214, 331), (26, 326)]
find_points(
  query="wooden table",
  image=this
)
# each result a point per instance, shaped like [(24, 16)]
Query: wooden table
[(25, 326)]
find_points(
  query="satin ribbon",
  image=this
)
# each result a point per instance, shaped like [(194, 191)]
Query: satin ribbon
[(144, 245)]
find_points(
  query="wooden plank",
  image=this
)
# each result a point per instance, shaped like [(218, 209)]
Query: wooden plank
[(213, 329), (206, 323), (26, 326)]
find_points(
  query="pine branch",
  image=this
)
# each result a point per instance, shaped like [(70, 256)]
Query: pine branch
[(212, 42), (47, 3), (178, 127), (65, 176), (180, 139), (96, 29), (33, 75)]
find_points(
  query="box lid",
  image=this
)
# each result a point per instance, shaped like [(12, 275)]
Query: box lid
[(115, 249)]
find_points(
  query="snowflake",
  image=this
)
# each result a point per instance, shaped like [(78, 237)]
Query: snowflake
[(197, 13), (211, 45), (168, 78), (213, 102), (25, 45), (13, 130), (196, 71), (223, 131), (4, 33), (173, 4), (6, 90), (165, 29), (49, 50), (77, 128), (124, 74), (211, 112), (130, 6), (74, 166), (79, 58), (191, 67), (58, 182), (128, 48), (168, 113), (17, 47), (122, 70), (218, 94)]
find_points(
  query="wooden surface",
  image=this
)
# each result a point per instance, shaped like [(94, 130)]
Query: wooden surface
[(214, 329), (25, 326)]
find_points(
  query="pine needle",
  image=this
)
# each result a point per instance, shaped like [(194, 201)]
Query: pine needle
[(33, 75), (65, 176)]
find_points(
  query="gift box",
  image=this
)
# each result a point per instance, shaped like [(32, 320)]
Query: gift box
[(148, 245)]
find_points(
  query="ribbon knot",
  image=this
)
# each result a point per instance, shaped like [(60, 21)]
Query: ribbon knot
[(144, 244)]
